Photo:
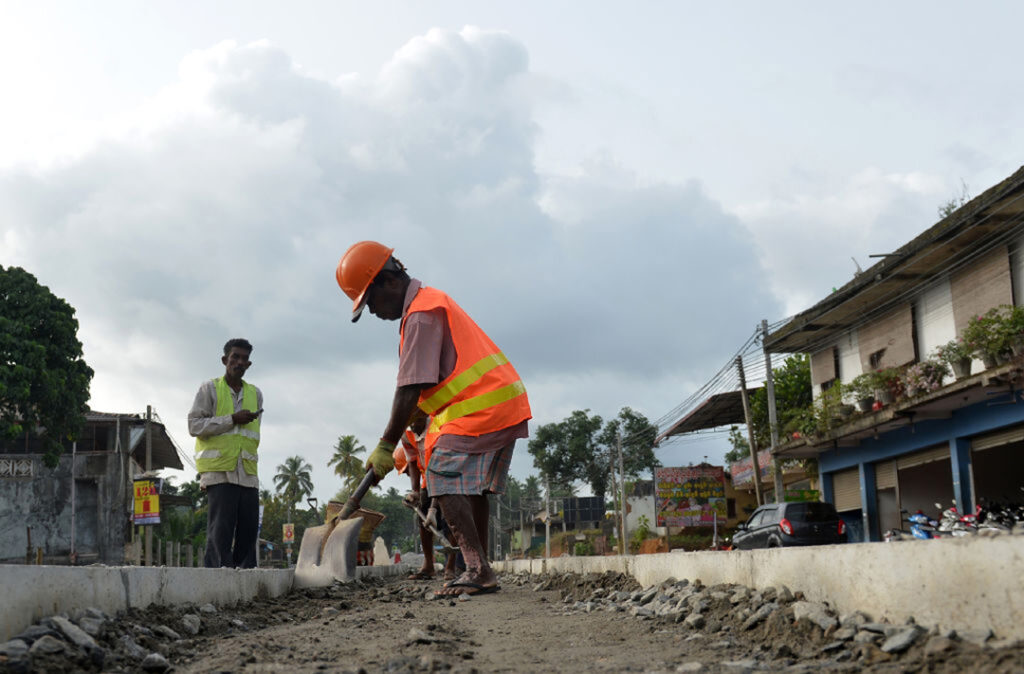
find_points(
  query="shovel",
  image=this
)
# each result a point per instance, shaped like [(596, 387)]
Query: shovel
[(430, 522), (328, 551)]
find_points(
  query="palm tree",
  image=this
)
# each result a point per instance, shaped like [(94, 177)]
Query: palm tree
[(347, 465), (293, 480)]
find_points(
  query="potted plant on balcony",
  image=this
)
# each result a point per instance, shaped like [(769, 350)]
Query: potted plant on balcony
[(889, 384), (829, 408), (989, 336), (924, 377), (957, 354), (863, 388), (1013, 327)]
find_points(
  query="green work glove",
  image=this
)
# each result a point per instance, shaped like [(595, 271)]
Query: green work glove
[(382, 459)]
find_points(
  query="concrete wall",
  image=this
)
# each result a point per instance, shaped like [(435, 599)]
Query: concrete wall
[(44, 503), (959, 583), (35, 592)]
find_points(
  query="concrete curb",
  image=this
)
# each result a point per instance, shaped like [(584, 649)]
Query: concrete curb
[(35, 592), (952, 583)]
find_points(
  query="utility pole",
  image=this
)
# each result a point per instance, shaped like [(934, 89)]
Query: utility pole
[(613, 474), (773, 417), (622, 494), (149, 468), (497, 551), (523, 545), (750, 430), (547, 519), (74, 451)]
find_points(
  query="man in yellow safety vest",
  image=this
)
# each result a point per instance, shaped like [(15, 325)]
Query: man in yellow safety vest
[(225, 421)]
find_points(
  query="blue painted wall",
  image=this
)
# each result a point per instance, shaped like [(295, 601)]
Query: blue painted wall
[(1002, 411)]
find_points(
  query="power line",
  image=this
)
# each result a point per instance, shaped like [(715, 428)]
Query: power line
[(727, 379), (185, 458)]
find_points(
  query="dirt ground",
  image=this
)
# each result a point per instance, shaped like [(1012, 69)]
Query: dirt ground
[(397, 626)]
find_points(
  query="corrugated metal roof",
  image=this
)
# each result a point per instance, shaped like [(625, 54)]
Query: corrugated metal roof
[(722, 409), (983, 223), (165, 450)]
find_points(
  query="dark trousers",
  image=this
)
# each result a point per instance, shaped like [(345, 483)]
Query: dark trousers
[(233, 513)]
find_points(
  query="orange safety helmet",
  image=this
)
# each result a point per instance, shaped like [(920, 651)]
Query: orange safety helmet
[(357, 268)]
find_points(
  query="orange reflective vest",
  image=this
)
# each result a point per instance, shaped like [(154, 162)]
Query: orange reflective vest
[(483, 393)]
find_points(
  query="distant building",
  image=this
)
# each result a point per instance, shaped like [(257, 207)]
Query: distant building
[(962, 441), (96, 525)]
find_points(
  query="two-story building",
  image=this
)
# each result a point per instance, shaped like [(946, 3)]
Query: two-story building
[(80, 511), (962, 442)]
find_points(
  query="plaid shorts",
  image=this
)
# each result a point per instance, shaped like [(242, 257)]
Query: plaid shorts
[(452, 472)]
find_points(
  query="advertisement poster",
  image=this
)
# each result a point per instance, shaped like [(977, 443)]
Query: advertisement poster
[(743, 471), (147, 501), (690, 497), (288, 533)]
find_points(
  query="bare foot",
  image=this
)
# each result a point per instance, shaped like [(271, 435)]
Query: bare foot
[(422, 574)]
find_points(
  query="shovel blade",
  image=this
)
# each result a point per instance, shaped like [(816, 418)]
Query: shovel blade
[(320, 561)]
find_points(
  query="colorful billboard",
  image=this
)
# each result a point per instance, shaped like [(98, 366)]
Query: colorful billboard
[(743, 471), (689, 497)]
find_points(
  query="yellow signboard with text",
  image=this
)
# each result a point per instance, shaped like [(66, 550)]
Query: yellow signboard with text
[(147, 501)]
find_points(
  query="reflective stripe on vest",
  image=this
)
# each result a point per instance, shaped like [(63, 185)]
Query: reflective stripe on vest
[(221, 452), (483, 393)]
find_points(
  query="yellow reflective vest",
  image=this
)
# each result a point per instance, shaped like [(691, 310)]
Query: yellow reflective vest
[(221, 452)]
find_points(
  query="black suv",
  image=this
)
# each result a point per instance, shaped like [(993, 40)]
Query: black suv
[(777, 525)]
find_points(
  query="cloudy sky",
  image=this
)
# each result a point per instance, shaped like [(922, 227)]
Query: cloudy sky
[(617, 192)]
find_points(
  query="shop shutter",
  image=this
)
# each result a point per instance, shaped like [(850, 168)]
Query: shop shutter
[(983, 285), (927, 456), (885, 475), (846, 487), (999, 439)]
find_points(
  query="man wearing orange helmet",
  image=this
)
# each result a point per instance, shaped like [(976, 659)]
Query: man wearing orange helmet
[(452, 371)]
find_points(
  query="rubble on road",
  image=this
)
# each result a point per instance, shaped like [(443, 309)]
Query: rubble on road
[(677, 625), (149, 639), (789, 630)]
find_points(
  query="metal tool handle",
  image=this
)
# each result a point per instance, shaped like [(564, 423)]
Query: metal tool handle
[(352, 504)]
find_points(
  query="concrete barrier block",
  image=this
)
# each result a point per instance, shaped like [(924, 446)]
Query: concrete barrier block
[(35, 592), (949, 583)]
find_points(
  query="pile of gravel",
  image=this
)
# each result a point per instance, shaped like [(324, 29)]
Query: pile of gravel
[(151, 639), (774, 626)]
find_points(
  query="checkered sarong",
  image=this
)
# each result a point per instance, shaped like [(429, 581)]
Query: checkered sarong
[(452, 472)]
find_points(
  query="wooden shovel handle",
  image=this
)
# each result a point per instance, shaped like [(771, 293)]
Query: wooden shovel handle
[(352, 504)]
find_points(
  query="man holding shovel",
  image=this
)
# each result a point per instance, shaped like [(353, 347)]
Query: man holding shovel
[(452, 371)]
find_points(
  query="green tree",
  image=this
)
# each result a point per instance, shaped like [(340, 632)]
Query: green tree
[(44, 381), (293, 481), (581, 448), (793, 397), (740, 447), (532, 489), (195, 494), (347, 463)]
